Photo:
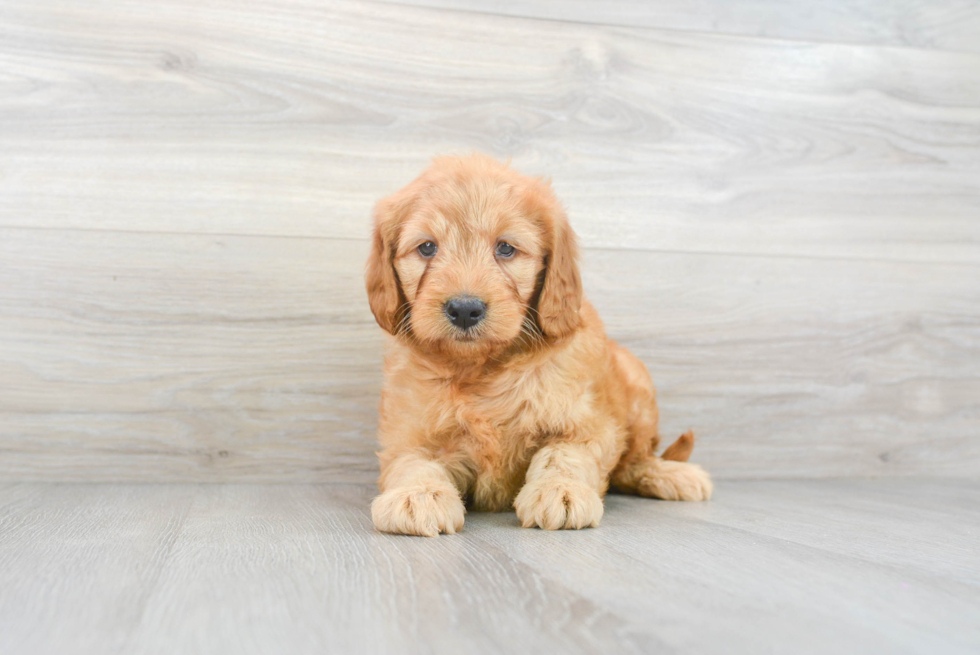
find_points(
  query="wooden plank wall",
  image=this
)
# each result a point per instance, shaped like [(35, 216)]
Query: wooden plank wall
[(780, 212)]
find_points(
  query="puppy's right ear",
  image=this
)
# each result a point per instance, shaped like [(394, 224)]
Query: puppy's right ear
[(384, 292)]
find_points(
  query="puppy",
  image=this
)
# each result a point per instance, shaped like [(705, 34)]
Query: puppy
[(501, 387)]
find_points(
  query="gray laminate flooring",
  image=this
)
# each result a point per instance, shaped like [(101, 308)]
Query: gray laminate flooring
[(776, 566)]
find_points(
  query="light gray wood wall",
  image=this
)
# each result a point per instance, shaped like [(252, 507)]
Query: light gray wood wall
[(185, 190)]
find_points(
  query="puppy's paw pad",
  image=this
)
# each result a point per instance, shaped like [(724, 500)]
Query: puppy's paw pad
[(677, 481), (558, 504), (418, 511)]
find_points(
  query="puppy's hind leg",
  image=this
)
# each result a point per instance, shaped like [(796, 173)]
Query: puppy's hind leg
[(668, 477), (640, 471)]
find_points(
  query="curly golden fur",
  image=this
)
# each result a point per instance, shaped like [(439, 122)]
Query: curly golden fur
[(533, 407)]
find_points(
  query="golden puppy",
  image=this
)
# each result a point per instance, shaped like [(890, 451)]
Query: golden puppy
[(501, 387)]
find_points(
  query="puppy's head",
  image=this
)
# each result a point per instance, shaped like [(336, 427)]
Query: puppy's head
[(472, 257)]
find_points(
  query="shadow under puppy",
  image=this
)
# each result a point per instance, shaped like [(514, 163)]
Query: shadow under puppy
[(501, 387)]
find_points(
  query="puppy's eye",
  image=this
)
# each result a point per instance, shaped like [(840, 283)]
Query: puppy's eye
[(428, 249), (504, 249)]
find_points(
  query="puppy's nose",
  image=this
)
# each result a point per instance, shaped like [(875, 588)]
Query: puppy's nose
[(465, 311)]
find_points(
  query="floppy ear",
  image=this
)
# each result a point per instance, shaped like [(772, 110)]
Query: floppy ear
[(384, 291), (560, 297)]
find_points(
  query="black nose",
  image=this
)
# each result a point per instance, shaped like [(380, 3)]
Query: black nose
[(465, 311)]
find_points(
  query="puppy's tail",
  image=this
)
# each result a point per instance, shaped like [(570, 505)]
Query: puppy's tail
[(680, 450)]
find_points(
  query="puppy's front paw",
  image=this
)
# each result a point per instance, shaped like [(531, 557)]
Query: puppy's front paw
[(556, 503), (419, 511)]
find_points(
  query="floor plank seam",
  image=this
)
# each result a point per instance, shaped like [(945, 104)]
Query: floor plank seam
[(154, 584)]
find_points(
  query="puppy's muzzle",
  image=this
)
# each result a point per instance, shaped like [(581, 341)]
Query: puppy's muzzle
[(465, 311)]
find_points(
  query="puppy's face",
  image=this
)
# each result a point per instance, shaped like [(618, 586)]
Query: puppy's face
[(468, 261), (471, 258)]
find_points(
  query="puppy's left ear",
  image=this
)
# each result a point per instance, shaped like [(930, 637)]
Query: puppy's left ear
[(560, 296)]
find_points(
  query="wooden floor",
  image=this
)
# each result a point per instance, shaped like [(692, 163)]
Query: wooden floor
[(886, 566)]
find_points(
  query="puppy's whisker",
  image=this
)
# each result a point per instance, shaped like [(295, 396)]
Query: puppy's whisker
[(403, 323), (404, 326), (525, 338)]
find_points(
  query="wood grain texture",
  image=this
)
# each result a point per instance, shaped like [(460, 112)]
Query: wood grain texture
[(136, 356), (185, 191), (944, 25), (298, 568), (710, 571), (293, 118), (141, 356), (78, 563)]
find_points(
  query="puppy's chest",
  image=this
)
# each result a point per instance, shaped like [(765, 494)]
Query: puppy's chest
[(489, 429), (500, 420), (494, 436)]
